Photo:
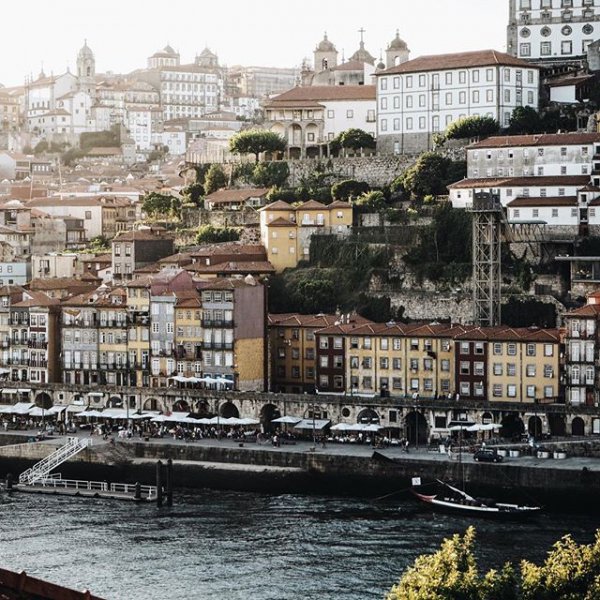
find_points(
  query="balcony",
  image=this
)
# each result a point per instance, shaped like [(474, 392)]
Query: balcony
[(85, 323), (41, 364), (217, 345), (216, 323), (38, 344), (113, 323), (20, 341)]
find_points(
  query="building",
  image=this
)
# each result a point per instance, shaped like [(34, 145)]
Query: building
[(293, 349), (234, 325), (260, 82), (137, 248), (286, 230), (582, 355), (236, 199), (551, 32), (308, 118), (421, 97)]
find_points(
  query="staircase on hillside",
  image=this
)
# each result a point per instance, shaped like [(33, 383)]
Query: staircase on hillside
[(43, 468)]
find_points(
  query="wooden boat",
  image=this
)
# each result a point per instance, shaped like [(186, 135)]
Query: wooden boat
[(455, 500), (25, 587)]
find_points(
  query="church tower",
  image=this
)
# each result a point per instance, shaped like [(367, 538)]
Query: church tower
[(325, 55), (86, 63), (397, 52)]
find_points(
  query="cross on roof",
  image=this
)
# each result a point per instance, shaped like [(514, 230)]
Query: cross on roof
[(361, 31)]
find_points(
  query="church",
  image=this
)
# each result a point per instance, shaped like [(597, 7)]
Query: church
[(359, 69)]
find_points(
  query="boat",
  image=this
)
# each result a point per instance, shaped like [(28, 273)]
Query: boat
[(452, 499)]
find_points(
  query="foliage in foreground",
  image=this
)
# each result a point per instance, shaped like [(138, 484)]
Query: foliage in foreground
[(207, 234), (570, 572)]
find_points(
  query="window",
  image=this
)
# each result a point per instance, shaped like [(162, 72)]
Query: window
[(512, 349), (530, 370), (548, 350), (397, 364), (465, 368), (546, 48), (511, 369), (525, 49), (566, 47), (445, 365), (350, 113), (530, 350), (330, 113), (548, 371), (383, 83), (498, 369), (478, 369), (464, 347), (465, 388), (497, 390), (511, 391), (497, 349), (530, 391)]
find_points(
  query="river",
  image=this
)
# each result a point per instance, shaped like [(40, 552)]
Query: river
[(234, 546)]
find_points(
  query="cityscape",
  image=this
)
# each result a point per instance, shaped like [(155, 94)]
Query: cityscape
[(374, 266)]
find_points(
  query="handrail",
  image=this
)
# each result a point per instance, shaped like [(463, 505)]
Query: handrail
[(149, 491)]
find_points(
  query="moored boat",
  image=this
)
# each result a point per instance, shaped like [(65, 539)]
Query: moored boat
[(450, 498)]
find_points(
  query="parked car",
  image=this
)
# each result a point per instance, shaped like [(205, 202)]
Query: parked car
[(486, 455)]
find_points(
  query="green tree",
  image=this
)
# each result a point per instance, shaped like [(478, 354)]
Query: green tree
[(207, 234), (160, 205), (41, 147), (271, 174), (352, 139), (215, 179), (471, 127), (348, 189), (99, 244), (371, 202), (430, 175), (524, 120), (255, 141), (194, 193)]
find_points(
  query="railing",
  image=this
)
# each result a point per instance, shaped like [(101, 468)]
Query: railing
[(42, 469), (217, 345), (38, 344), (147, 491), (217, 323)]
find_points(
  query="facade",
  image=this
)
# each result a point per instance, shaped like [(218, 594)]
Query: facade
[(308, 118), (134, 249), (236, 199), (421, 97), (286, 230), (552, 32)]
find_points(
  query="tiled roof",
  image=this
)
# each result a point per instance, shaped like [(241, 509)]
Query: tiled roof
[(31, 299), (589, 310), (312, 205), (319, 321), (498, 182), (523, 334), (323, 93), (538, 139), (234, 267), (281, 222), (58, 283), (459, 60), (228, 196), (551, 201), (279, 205), (228, 283), (227, 248)]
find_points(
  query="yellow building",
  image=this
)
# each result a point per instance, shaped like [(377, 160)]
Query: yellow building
[(523, 365), (286, 230), (188, 334), (138, 347)]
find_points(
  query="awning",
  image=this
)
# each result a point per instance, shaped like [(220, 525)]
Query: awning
[(20, 408), (312, 424), (75, 408), (356, 427), (9, 391), (96, 394), (24, 390), (288, 420)]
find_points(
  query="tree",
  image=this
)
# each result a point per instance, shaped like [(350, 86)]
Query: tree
[(194, 193), (524, 120), (352, 139), (255, 141), (271, 174), (215, 179), (348, 189), (430, 175), (471, 127), (99, 244), (371, 202), (160, 205), (207, 234)]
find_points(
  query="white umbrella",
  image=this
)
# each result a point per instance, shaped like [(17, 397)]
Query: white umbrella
[(341, 427), (288, 419), (249, 421)]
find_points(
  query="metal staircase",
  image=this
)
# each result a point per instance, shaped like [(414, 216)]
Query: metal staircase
[(41, 470)]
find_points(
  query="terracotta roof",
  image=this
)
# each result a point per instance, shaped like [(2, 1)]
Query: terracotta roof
[(542, 202), (323, 93), (293, 104), (58, 283), (229, 196), (568, 81), (510, 182), (279, 205), (538, 139), (319, 321), (229, 283), (340, 204), (311, 205), (351, 65), (108, 201), (31, 299), (227, 248), (459, 60), (233, 267), (525, 334), (589, 310)]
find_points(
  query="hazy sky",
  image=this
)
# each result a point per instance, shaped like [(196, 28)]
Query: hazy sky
[(123, 33)]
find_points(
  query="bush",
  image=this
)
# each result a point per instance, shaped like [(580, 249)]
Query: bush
[(207, 234), (348, 189), (285, 195), (430, 175), (471, 127), (270, 174), (371, 202), (215, 179)]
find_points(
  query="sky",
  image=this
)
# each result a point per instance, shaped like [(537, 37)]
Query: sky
[(280, 33)]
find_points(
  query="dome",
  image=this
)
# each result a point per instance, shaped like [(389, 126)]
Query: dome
[(325, 45), (85, 51), (380, 66), (168, 50), (206, 53), (397, 43), (363, 55)]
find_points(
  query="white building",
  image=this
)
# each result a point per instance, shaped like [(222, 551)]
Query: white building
[(552, 31), (421, 97), (308, 118), (534, 155)]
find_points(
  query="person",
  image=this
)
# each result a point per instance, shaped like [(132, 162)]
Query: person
[(406, 444), (450, 451)]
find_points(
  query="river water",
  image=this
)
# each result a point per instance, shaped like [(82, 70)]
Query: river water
[(235, 546)]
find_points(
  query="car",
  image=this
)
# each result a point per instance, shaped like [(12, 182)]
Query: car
[(486, 455)]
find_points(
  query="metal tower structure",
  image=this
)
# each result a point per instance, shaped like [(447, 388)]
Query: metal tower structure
[(488, 220)]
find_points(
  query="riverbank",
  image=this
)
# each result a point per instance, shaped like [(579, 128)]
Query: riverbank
[(343, 469)]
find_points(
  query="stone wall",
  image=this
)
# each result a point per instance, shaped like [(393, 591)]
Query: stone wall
[(377, 171), (194, 218)]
